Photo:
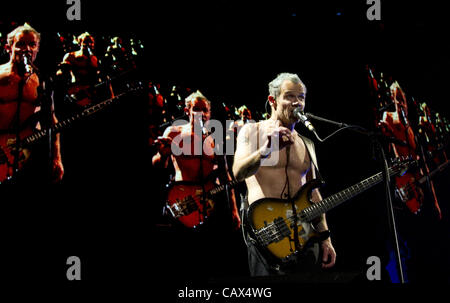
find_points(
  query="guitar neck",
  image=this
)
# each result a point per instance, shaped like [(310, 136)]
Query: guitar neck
[(431, 175), (221, 188), (67, 122), (315, 210)]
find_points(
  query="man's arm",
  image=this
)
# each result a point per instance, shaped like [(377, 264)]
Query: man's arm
[(232, 196), (57, 165), (164, 142), (160, 160), (249, 155), (320, 224), (247, 158), (65, 65)]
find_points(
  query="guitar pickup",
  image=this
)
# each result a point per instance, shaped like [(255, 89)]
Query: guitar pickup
[(274, 232)]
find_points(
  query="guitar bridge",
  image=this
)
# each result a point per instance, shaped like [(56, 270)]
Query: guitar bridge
[(183, 207), (401, 194)]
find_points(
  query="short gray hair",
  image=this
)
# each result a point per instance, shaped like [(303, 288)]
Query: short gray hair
[(194, 96), (275, 85), (26, 28)]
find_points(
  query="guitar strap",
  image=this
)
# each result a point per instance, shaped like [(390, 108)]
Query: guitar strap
[(309, 147), (312, 153)]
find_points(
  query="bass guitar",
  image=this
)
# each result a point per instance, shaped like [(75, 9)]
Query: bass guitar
[(408, 188), (271, 221), (192, 203)]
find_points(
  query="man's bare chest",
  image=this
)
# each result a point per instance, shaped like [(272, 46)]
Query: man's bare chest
[(12, 89), (294, 156)]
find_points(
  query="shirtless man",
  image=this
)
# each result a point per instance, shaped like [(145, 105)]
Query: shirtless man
[(283, 177), (396, 125), (204, 251), (22, 42), (188, 167), (81, 67)]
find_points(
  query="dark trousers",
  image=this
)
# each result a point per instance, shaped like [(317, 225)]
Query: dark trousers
[(307, 261)]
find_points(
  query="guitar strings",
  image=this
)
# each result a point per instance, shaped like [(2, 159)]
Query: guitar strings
[(214, 190), (314, 207), (198, 197)]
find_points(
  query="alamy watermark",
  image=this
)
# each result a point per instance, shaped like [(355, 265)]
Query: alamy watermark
[(373, 273), (214, 130), (74, 10), (73, 273), (374, 11)]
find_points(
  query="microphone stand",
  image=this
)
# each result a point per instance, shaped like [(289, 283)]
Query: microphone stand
[(23, 69), (18, 128), (46, 114), (378, 148), (47, 107)]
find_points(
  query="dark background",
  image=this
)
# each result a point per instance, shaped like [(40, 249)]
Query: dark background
[(106, 210)]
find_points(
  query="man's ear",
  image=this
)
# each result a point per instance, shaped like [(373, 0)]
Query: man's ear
[(8, 48), (186, 111), (272, 102)]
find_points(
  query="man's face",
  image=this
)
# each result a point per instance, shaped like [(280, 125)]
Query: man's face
[(87, 42), (291, 96), (199, 109), (246, 115), (24, 44)]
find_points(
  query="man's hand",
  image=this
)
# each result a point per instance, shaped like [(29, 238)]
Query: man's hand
[(57, 170), (279, 133), (328, 254), (236, 219), (164, 146)]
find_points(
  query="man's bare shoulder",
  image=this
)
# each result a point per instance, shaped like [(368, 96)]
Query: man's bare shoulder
[(250, 127), (5, 74), (253, 127), (68, 58), (5, 69), (173, 131)]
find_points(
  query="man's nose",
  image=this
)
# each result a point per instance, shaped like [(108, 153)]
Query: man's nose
[(299, 104)]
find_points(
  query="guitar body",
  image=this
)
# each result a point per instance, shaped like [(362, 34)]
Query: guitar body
[(409, 192), (82, 95), (272, 210), (186, 203), (7, 156), (407, 189)]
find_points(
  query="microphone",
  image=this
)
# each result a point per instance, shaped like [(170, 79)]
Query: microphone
[(298, 113), (90, 51), (204, 130), (27, 64), (198, 121)]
